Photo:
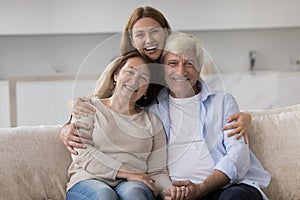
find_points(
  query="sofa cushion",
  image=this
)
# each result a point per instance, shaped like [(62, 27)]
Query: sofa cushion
[(33, 163), (275, 140)]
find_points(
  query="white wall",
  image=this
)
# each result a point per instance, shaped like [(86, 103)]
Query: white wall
[(276, 49), (69, 36), (49, 36), (91, 16), (46, 54)]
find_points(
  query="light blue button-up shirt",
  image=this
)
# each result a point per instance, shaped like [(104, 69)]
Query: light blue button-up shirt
[(230, 156)]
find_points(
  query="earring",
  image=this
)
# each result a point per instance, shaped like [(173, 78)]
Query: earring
[(145, 97), (114, 83)]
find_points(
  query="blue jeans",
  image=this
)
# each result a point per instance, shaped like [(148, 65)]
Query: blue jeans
[(95, 189), (236, 191)]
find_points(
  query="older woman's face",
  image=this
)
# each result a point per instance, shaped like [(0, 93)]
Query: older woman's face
[(132, 80), (181, 73), (148, 37)]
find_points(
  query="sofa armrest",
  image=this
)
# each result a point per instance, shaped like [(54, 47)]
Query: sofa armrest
[(274, 137), (33, 163)]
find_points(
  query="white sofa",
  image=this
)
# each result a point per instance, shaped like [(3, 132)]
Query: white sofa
[(34, 161)]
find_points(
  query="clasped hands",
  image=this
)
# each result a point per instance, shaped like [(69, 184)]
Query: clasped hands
[(182, 190)]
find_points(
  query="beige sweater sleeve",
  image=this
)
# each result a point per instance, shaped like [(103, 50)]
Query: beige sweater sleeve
[(92, 159), (157, 161)]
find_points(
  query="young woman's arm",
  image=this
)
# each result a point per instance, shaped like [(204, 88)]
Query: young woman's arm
[(71, 134), (72, 138)]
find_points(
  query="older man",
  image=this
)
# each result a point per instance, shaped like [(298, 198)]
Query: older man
[(201, 156)]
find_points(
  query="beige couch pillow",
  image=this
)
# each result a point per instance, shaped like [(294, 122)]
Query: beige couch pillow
[(33, 163), (275, 140)]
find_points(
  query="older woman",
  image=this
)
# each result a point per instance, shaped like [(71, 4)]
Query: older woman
[(128, 154)]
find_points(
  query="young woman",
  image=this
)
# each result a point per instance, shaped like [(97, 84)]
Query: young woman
[(145, 31)]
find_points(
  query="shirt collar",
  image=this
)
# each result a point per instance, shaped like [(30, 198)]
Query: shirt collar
[(205, 92)]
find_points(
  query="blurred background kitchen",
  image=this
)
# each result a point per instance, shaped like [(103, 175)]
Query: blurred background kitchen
[(53, 50)]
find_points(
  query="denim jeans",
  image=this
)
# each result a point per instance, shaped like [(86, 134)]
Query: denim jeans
[(236, 191), (95, 190)]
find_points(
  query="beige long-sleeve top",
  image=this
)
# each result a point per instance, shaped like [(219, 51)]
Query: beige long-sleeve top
[(138, 141)]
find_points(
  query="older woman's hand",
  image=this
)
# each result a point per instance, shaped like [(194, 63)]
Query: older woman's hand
[(241, 125), (131, 174)]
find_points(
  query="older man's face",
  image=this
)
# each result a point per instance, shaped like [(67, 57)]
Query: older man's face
[(181, 73)]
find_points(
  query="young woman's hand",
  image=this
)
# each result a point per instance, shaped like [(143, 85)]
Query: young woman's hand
[(70, 134), (241, 125), (72, 137), (81, 106)]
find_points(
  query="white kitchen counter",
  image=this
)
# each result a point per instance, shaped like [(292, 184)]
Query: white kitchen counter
[(259, 89)]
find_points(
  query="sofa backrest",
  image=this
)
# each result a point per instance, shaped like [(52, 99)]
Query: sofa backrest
[(33, 163), (275, 139)]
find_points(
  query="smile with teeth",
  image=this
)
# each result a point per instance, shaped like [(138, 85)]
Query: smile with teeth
[(131, 88), (151, 48), (179, 79)]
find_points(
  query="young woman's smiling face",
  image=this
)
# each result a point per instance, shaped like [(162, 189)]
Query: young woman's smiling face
[(148, 37), (132, 80)]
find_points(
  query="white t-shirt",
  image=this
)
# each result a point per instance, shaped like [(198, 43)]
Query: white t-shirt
[(188, 155)]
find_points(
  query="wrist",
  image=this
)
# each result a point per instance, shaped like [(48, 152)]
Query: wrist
[(62, 130), (123, 172), (69, 121), (122, 175), (200, 193)]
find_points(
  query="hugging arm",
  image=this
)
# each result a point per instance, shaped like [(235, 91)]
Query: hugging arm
[(74, 138), (241, 123), (72, 134), (92, 159)]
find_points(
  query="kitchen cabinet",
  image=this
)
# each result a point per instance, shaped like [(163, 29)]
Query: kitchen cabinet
[(278, 13), (92, 16), (210, 15), (102, 16), (25, 17), (43, 100)]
